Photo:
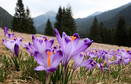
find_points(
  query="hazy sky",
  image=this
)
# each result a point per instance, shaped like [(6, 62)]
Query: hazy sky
[(80, 8)]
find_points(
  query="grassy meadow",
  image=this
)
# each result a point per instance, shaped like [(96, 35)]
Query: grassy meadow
[(27, 74)]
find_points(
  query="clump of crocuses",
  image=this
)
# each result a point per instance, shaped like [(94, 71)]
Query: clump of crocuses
[(55, 59), (49, 57), (12, 43)]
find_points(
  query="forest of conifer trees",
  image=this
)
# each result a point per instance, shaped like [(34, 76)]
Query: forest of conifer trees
[(64, 22), (120, 35)]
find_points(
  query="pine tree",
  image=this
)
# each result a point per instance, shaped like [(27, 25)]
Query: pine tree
[(65, 21), (19, 17), (49, 30), (121, 32), (69, 25), (58, 23), (106, 34), (22, 21), (30, 27), (129, 37), (102, 32), (94, 31)]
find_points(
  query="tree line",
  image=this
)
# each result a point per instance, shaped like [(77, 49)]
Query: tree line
[(22, 22), (64, 22), (121, 35)]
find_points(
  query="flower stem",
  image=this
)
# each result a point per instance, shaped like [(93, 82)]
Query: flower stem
[(47, 76), (16, 63), (71, 75), (65, 69)]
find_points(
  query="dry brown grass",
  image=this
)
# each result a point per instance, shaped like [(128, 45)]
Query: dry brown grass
[(28, 38)]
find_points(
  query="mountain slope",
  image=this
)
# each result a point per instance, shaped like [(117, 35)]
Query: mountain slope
[(125, 12), (41, 28), (5, 18), (42, 19), (109, 18), (83, 25)]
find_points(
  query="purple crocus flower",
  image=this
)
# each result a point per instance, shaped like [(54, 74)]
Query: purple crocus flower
[(102, 66), (10, 35), (70, 45), (109, 62), (93, 55), (107, 56), (89, 63), (5, 30), (113, 52), (123, 56), (30, 48), (13, 45), (41, 44), (99, 53), (49, 62)]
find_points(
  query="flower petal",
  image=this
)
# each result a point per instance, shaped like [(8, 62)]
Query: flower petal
[(98, 65), (78, 59), (58, 56), (76, 40), (39, 68), (4, 42), (50, 43), (85, 63), (33, 40), (82, 46), (52, 69), (58, 37), (39, 58), (126, 61), (16, 49)]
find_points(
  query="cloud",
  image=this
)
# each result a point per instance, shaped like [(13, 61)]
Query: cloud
[(80, 8)]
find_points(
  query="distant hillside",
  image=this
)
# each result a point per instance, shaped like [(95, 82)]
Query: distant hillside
[(109, 18), (40, 29), (42, 19), (5, 18), (125, 12)]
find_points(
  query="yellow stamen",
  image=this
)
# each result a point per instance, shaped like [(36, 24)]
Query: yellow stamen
[(48, 61), (53, 52), (44, 39), (126, 50), (73, 38), (84, 53), (105, 62), (9, 32), (31, 50), (102, 64), (48, 53), (12, 38), (92, 62)]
